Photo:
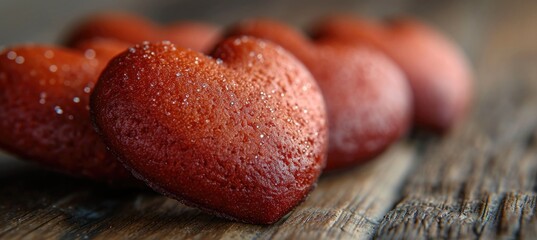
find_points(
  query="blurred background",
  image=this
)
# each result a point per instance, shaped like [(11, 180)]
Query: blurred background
[(47, 21)]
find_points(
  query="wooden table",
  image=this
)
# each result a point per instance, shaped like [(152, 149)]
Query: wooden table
[(480, 181)]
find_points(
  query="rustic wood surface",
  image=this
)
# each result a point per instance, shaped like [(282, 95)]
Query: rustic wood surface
[(480, 181)]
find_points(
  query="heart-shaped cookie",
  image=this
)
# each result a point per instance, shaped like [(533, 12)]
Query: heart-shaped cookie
[(368, 100), (436, 68), (241, 134), (103, 49), (134, 29), (44, 107)]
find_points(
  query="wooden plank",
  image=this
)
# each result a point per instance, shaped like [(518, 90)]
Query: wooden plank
[(345, 205), (480, 182)]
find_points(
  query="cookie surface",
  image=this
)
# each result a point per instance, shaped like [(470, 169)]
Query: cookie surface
[(436, 68), (44, 107), (242, 134), (368, 99)]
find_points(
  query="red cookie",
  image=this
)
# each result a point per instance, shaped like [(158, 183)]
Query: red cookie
[(103, 49), (368, 100), (436, 68), (44, 107), (242, 134), (134, 29)]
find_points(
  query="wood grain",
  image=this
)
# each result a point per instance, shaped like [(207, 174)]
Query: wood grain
[(344, 205), (480, 181)]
